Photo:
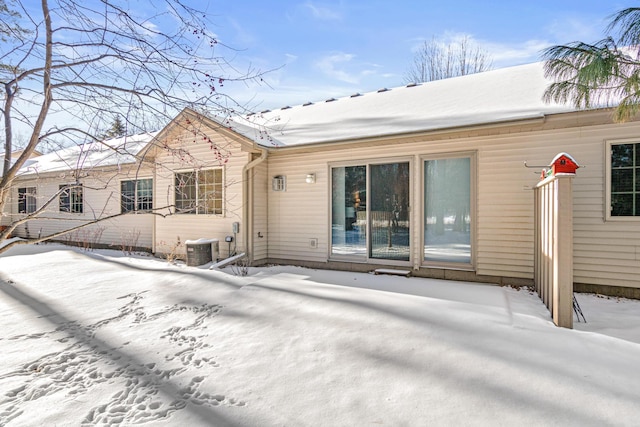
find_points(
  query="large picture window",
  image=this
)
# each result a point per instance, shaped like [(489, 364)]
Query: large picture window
[(26, 200), (136, 195), (71, 198), (624, 180), (199, 192), (447, 210)]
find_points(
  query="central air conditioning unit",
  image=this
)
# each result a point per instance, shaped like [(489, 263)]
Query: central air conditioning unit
[(202, 251)]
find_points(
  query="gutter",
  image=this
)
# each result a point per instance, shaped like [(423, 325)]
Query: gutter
[(245, 200)]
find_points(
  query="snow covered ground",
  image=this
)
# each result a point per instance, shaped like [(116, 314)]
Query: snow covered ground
[(95, 338)]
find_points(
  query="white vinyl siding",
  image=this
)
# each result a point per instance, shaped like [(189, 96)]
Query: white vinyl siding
[(173, 230), (300, 214)]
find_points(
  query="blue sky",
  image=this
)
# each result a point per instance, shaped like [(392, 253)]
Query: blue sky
[(313, 50), (319, 50)]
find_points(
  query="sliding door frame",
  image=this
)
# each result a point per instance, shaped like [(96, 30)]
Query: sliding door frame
[(411, 217)]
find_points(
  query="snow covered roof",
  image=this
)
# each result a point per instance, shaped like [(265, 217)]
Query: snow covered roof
[(16, 154), (502, 95), (111, 152)]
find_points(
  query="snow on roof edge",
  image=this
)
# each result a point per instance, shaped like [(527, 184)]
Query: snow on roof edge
[(109, 152), (504, 121)]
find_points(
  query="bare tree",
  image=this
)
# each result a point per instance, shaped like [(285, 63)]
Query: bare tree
[(68, 66), (436, 60)]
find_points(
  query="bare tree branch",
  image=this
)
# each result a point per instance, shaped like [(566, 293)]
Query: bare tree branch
[(436, 60), (69, 67)]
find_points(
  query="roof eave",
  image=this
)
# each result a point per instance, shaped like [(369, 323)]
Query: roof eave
[(176, 125), (537, 118)]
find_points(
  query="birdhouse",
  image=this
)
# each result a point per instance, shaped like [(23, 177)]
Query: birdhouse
[(563, 164)]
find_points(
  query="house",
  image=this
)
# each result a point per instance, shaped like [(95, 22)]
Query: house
[(428, 177), (76, 185)]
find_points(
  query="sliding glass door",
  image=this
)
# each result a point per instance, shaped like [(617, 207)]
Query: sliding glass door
[(389, 212), (349, 211), (371, 216), (375, 227), (447, 207)]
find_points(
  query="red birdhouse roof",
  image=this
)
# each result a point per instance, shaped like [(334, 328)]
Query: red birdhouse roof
[(557, 158)]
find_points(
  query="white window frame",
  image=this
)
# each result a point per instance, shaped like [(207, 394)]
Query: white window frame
[(368, 162), (72, 191), (607, 179), (136, 197), (29, 197), (196, 209)]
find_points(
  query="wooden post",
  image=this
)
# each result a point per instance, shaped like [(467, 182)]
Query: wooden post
[(563, 250)]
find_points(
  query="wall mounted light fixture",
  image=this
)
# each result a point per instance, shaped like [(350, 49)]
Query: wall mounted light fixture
[(311, 178)]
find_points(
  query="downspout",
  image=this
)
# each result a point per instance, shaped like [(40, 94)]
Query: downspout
[(245, 199)]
